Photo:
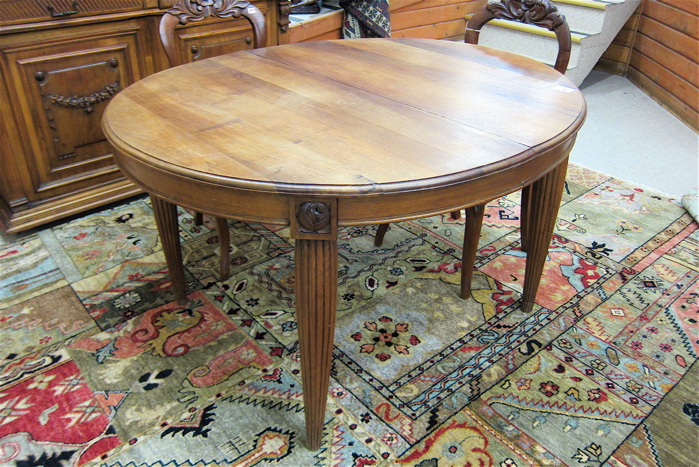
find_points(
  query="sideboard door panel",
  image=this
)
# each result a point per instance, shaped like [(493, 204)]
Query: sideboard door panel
[(57, 75), (65, 88)]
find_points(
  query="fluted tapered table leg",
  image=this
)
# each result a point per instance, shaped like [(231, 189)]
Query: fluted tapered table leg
[(166, 220), (314, 228), (544, 200), (316, 304)]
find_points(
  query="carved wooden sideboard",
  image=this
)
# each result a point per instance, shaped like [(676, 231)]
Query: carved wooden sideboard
[(60, 63)]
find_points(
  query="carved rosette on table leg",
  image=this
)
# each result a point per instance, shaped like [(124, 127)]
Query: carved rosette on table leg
[(472, 233), (166, 220), (544, 200), (314, 228)]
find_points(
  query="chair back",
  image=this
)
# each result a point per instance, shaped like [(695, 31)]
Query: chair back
[(185, 11), (537, 12)]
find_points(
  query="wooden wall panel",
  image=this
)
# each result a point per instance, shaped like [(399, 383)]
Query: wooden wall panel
[(665, 56), (668, 59), (326, 27), (451, 30), (431, 19), (688, 6), (678, 19), (669, 38), (616, 58)]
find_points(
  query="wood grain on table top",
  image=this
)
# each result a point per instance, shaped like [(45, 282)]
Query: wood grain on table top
[(347, 114)]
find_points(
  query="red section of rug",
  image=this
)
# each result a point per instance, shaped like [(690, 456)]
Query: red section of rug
[(55, 408)]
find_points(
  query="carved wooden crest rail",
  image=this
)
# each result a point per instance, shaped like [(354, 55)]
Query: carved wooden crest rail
[(538, 12)]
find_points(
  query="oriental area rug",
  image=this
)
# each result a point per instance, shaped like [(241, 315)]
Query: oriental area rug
[(100, 366)]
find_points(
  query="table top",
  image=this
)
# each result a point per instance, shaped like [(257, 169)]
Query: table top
[(344, 118)]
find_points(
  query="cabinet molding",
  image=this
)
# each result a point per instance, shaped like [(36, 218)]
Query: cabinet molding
[(57, 75)]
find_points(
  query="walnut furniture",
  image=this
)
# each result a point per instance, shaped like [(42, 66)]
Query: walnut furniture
[(61, 62), (321, 135)]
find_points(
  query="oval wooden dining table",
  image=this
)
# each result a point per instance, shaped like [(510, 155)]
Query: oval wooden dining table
[(321, 135)]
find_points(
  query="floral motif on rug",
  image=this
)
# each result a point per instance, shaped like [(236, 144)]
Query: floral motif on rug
[(420, 376)]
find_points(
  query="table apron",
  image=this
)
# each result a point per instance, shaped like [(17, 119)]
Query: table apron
[(353, 209)]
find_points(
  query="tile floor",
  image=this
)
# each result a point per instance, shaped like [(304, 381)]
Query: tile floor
[(630, 136)]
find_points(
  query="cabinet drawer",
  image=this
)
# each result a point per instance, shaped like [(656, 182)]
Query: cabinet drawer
[(23, 11)]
